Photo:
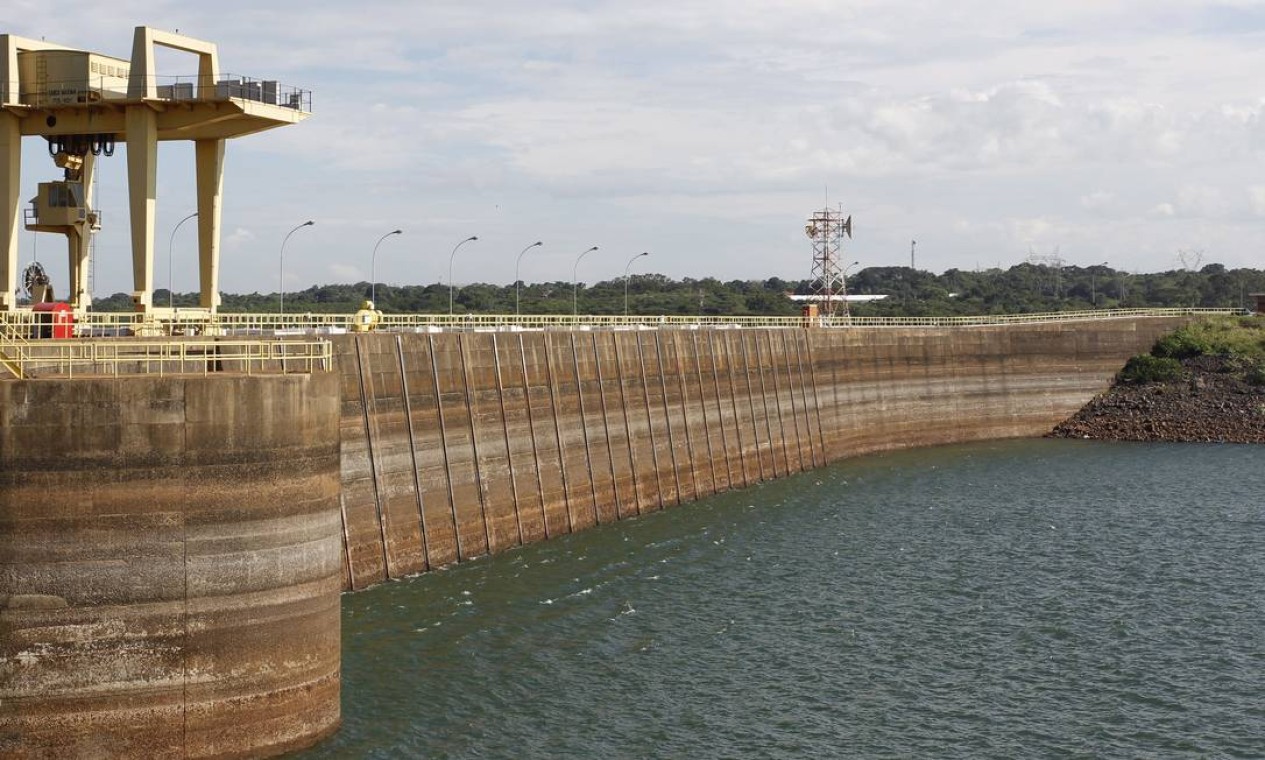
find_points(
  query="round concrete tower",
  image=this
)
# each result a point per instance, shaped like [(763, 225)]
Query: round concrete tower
[(169, 565)]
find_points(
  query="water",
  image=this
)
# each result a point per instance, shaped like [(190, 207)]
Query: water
[(1016, 599)]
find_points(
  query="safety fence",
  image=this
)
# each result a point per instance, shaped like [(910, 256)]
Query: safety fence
[(13, 348), (165, 356), (195, 322), (115, 83)]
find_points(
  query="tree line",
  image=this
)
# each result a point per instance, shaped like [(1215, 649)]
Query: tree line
[(1023, 288)]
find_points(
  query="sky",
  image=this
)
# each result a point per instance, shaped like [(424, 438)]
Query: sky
[(704, 132)]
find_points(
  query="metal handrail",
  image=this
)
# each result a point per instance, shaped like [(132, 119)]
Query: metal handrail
[(167, 356), (200, 322), (198, 342), (13, 349), (100, 87)]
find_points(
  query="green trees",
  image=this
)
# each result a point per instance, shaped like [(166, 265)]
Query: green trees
[(1024, 288)]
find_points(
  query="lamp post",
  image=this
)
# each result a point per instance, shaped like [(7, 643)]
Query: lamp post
[(843, 285), (626, 266), (516, 280), (170, 244), (373, 268), (281, 286), (575, 287), (1093, 284), (450, 258)]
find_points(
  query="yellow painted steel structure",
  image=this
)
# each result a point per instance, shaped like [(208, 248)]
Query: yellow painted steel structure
[(75, 98), (192, 322), (24, 359)]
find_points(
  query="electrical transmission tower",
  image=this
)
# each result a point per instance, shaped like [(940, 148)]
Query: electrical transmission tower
[(1190, 259), (826, 229), (1052, 260)]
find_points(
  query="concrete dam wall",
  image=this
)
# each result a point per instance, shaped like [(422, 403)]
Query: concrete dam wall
[(456, 445), (172, 549), (170, 565)]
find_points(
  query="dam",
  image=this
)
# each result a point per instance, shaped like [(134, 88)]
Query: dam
[(456, 445), (174, 543)]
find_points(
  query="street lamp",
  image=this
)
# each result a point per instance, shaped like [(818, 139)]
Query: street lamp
[(450, 258), (1093, 284), (170, 244), (281, 286), (843, 285), (626, 266), (373, 268), (516, 280), (575, 288)]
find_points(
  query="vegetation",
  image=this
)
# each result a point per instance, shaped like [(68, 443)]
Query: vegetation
[(1145, 368), (1025, 288), (1255, 373), (1238, 341), (1239, 338)]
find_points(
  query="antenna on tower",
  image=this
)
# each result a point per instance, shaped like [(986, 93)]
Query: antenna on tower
[(826, 228)]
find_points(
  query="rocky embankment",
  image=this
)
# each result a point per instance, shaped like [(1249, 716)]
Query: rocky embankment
[(1211, 402)]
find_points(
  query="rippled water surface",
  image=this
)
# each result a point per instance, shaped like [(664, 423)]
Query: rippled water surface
[(1016, 599)]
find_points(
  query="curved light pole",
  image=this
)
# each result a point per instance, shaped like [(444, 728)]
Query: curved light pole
[(516, 281), (575, 288), (281, 285), (843, 286), (1093, 284), (373, 267), (450, 258), (626, 266), (171, 243)]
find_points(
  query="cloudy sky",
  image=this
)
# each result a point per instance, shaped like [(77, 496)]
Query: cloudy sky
[(703, 132)]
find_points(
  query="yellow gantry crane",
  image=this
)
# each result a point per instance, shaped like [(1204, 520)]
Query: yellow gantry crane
[(84, 104)]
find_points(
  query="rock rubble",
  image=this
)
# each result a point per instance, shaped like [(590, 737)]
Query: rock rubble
[(1211, 402)]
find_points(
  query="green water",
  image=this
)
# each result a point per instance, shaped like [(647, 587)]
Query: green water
[(1004, 600)]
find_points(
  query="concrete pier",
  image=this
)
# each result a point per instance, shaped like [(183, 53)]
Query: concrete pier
[(170, 562)]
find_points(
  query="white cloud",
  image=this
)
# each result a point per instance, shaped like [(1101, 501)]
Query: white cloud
[(237, 238), (346, 273), (706, 131), (1099, 201), (1201, 201)]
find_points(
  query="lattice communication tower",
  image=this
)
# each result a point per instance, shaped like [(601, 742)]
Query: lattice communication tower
[(826, 229)]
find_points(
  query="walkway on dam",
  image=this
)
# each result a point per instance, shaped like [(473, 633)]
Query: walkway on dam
[(196, 321), (195, 341)]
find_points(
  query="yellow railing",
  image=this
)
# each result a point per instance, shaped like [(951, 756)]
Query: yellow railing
[(200, 323), (167, 356), (13, 344), (110, 343)]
